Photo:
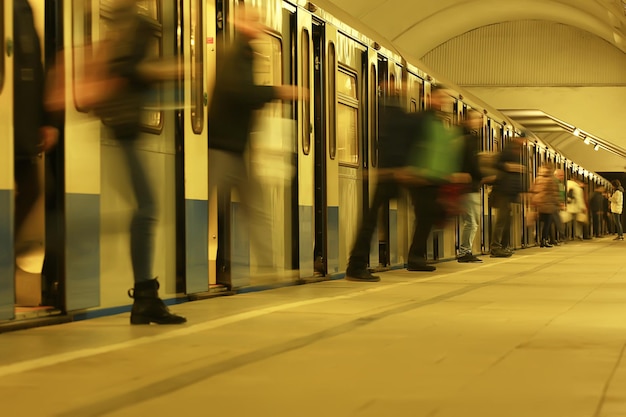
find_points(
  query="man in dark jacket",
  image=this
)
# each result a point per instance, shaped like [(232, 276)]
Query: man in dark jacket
[(506, 190), (395, 136), (595, 207), (231, 117)]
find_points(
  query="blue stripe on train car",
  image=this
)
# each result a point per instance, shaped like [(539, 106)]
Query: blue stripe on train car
[(197, 245), (393, 236), (82, 277), (7, 261), (239, 246), (307, 240), (333, 240)]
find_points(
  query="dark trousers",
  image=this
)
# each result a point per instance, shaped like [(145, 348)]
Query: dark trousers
[(385, 191), (596, 223), (427, 211), (502, 226), (546, 220), (28, 188), (424, 207), (617, 220)]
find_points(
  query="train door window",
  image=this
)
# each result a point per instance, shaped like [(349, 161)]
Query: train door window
[(268, 68), (2, 45), (197, 66), (306, 84), (373, 115), (413, 105), (82, 42), (332, 101), (347, 118)]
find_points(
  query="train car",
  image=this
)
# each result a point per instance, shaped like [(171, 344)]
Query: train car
[(316, 159)]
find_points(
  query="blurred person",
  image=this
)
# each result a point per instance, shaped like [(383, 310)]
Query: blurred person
[(470, 217), (607, 222), (435, 163), (617, 201), (128, 75), (557, 217), (506, 190), (595, 207), (546, 200), (395, 137), (576, 207), (34, 132), (235, 99)]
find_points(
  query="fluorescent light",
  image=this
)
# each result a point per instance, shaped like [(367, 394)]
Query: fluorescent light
[(587, 141), (595, 148), (576, 132)]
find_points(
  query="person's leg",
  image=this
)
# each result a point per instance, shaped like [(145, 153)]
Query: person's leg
[(426, 210), (357, 264), (147, 306), (617, 219), (546, 218), (470, 219), (501, 205), (27, 190)]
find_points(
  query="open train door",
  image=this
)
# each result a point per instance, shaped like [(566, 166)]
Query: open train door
[(196, 51), (6, 162)]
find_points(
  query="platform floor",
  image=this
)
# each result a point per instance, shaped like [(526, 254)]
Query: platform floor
[(540, 334)]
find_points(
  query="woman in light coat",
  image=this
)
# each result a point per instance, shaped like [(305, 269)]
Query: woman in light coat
[(576, 206), (617, 200)]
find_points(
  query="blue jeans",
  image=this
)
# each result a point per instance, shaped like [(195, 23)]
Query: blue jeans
[(470, 219), (143, 224)]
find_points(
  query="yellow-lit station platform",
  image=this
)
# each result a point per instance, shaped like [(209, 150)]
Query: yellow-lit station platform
[(540, 334)]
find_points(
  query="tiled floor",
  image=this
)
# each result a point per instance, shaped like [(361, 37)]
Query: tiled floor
[(541, 334)]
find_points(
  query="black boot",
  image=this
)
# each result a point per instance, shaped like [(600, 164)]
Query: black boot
[(545, 244), (148, 307)]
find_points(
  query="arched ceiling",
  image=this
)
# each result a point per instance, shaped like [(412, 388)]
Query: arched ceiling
[(417, 27)]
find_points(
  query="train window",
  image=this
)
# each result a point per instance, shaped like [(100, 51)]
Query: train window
[(82, 39), (197, 66), (347, 118), (1, 45), (374, 115), (413, 105), (306, 84), (332, 102)]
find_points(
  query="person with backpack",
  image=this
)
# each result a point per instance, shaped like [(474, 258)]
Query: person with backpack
[(130, 77)]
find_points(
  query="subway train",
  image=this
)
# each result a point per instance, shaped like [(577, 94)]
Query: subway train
[(316, 158)]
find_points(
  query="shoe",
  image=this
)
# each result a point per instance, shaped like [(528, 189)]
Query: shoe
[(361, 275), (148, 307), (500, 253), (619, 238), (467, 258), (414, 266), (545, 244)]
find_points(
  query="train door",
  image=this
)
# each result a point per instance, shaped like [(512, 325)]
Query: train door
[(306, 153), (353, 139), (196, 48), (385, 89), (7, 262), (37, 289), (321, 208)]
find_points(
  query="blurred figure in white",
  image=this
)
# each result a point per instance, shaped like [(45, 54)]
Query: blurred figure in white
[(235, 99)]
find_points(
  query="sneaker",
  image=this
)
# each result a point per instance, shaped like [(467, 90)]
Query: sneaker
[(500, 253), (468, 257), (362, 275), (413, 266)]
